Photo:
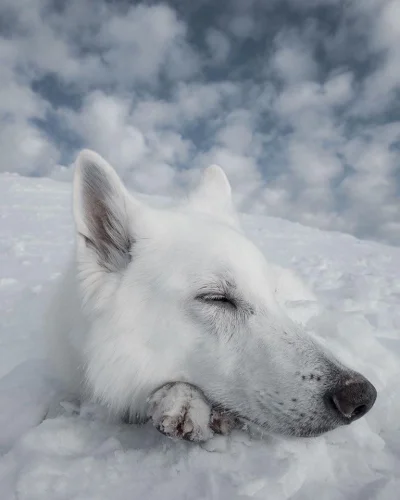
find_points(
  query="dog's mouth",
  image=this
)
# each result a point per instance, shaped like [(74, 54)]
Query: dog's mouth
[(295, 430), (350, 398), (308, 428)]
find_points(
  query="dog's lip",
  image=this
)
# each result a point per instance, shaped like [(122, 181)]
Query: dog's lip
[(240, 417), (304, 433)]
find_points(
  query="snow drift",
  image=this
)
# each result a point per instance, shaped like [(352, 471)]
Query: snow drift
[(84, 455)]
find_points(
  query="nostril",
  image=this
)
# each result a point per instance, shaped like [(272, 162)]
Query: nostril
[(359, 411), (344, 407), (353, 399)]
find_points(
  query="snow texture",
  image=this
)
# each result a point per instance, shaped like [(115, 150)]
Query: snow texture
[(84, 455)]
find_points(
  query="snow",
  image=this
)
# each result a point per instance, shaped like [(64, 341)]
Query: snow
[(82, 454)]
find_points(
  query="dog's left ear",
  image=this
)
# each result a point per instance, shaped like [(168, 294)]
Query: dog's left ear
[(214, 196), (102, 210)]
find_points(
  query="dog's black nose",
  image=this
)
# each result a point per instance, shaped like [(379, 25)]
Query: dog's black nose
[(353, 398)]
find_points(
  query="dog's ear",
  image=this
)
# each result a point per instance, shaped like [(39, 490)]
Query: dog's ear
[(102, 211), (214, 195)]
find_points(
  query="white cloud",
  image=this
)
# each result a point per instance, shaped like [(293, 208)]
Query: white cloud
[(103, 122), (293, 59), (140, 43), (189, 103), (197, 100), (383, 45), (237, 133), (372, 187), (146, 159), (312, 166), (242, 26), (219, 45), (24, 149)]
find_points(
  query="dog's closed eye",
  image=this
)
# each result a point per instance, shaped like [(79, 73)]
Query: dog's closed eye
[(217, 299)]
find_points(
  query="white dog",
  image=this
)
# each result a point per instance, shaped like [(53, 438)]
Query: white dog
[(172, 315)]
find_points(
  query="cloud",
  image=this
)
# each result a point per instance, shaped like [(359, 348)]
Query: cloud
[(24, 149), (297, 101), (378, 90), (293, 60), (219, 45), (144, 42)]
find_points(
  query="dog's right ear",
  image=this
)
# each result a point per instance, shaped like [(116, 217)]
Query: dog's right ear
[(102, 211), (213, 195)]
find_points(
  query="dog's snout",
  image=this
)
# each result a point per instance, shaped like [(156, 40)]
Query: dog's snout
[(353, 398)]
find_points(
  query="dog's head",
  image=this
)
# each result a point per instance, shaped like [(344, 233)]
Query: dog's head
[(183, 295)]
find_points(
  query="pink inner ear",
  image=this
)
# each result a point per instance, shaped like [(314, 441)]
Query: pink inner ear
[(100, 210)]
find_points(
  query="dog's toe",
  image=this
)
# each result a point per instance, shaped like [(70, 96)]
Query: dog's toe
[(181, 412)]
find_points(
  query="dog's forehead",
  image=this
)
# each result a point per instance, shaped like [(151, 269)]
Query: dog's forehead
[(204, 242), (204, 232)]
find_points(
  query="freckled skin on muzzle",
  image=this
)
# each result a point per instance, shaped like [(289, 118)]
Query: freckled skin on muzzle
[(349, 399), (300, 390)]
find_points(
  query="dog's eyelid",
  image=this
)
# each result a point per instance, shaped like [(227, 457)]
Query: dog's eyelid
[(213, 296), (217, 299)]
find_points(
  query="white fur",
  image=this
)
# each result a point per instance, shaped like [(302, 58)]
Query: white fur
[(120, 331)]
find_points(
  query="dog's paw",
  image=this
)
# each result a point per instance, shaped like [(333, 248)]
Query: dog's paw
[(180, 411)]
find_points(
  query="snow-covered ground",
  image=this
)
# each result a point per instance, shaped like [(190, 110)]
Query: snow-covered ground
[(85, 456)]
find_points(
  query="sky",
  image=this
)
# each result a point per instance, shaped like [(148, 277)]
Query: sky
[(298, 100)]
